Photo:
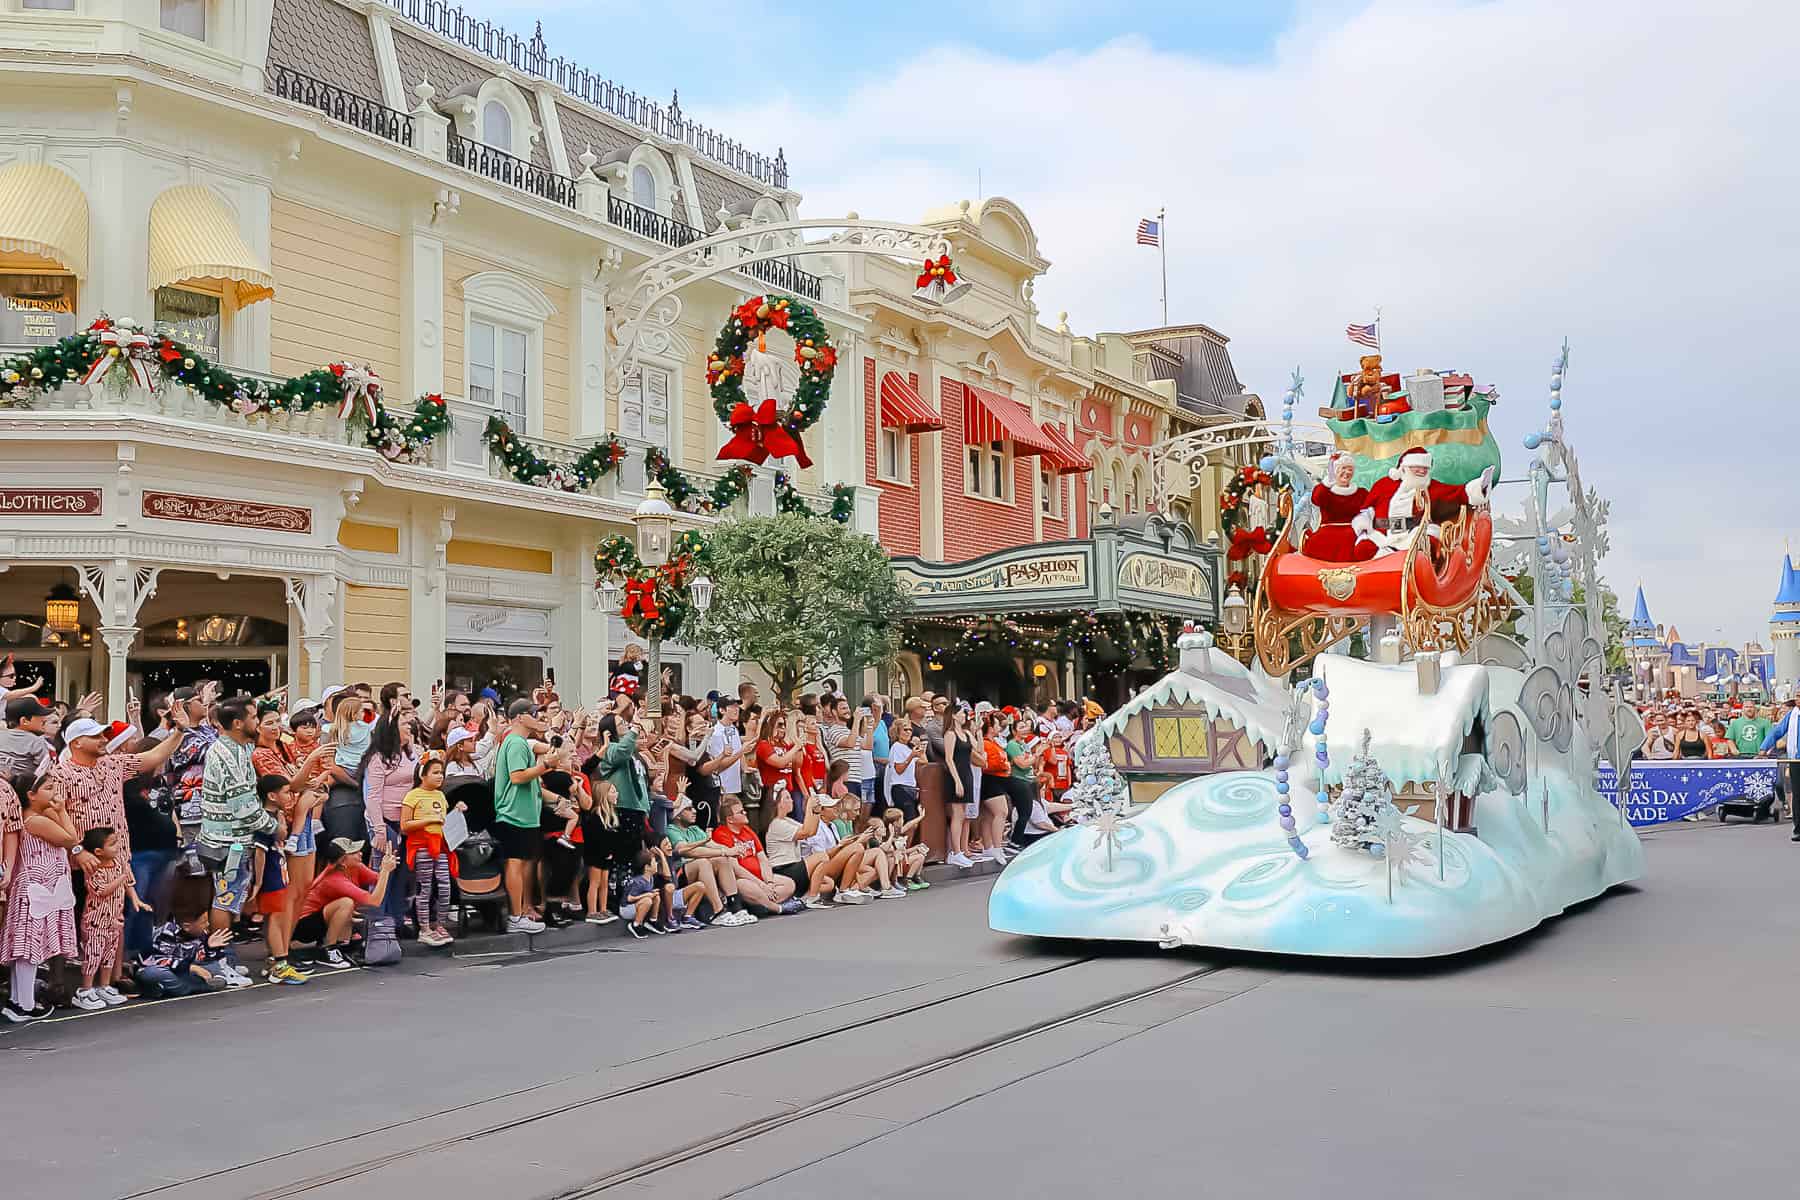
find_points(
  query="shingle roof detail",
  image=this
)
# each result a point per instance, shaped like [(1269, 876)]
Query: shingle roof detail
[(450, 73), (581, 131), (324, 40), (716, 190)]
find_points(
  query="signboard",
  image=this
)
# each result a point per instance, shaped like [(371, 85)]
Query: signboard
[(1668, 791), (36, 310), (1165, 576), (241, 514), (1048, 571), (49, 502)]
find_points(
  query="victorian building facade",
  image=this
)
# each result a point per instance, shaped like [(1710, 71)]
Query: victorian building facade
[(283, 184)]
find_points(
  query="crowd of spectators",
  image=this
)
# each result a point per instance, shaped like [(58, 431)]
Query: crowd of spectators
[(143, 856)]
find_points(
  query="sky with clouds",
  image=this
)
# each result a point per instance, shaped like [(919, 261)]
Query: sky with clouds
[(1496, 176)]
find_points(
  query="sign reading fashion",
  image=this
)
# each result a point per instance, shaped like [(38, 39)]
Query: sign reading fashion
[(1668, 791), (1167, 576), (49, 502), (1045, 571), (240, 514)]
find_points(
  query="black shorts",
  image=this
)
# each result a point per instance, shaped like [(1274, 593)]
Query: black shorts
[(797, 872), (518, 842), (629, 838), (310, 928)]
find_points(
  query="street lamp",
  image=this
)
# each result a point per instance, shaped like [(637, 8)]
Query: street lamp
[(655, 522), (1234, 615), (702, 589), (609, 595)]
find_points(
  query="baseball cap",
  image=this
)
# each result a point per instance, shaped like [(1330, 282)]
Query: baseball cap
[(24, 708), (83, 727), (457, 737), (345, 845)]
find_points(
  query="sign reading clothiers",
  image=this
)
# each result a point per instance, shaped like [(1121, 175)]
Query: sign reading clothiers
[(213, 510), (49, 502), (1045, 571), (1167, 576)]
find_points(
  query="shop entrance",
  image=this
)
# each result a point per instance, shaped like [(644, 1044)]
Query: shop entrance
[(987, 676)]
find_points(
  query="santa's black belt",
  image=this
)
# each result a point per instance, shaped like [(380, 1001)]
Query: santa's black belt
[(1395, 524)]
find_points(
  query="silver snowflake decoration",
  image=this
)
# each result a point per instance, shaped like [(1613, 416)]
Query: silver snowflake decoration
[(1759, 787)]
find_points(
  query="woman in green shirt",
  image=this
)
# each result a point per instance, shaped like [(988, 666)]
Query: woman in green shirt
[(1021, 784)]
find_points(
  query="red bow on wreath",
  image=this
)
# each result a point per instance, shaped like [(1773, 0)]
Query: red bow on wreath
[(640, 600), (759, 434), (1245, 542), (938, 269)]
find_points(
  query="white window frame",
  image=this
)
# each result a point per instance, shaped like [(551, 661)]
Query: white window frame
[(1050, 484), (205, 10), (900, 442), (491, 331), (469, 113), (672, 370), (995, 458), (489, 109), (648, 157), (508, 302)]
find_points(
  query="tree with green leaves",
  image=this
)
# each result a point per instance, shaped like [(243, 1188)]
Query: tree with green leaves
[(1610, 617), (798, 597)]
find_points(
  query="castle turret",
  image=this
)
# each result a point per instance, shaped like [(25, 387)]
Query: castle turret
[(1784, 624), (1644, 648)]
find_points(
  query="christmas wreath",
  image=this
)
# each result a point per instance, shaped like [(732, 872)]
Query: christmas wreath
[(1242, 542), (656, 599), (118, 353), (758, 431)]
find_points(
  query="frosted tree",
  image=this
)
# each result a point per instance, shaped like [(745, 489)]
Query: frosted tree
[(1099, 788), (1367, 796)]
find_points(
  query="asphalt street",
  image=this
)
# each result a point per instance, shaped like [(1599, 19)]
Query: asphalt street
[(1637, 1047)]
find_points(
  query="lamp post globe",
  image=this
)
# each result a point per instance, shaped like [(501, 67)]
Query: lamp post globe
[(655, 522), (702, 591)]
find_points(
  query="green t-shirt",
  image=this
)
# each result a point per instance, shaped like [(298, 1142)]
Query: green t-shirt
[(842, 828), (1018, 772), (686, 835), (1747, 735), (520, 804)]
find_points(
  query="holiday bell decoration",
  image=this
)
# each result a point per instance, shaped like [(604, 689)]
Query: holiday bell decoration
[(938, 283)]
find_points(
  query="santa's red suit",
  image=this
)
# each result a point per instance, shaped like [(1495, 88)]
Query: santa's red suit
[(1335, 540), (1402, 501)]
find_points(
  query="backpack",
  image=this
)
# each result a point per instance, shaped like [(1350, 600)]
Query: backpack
[(381, 944)]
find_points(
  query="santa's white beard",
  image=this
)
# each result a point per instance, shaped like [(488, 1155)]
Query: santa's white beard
[(1407, 499)]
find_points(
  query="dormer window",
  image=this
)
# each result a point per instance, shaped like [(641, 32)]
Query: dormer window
[(643, 187), (186, 17), (496, 126)]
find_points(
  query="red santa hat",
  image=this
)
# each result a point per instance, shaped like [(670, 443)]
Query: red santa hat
[(1414, 455), (118, 734)]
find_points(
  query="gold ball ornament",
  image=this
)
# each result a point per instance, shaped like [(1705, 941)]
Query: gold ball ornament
[(37, 372), (188, 363), (762, 310), (112, 352)]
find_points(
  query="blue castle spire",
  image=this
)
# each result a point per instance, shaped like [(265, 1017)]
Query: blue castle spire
[(1641, 632), (1789, 592)]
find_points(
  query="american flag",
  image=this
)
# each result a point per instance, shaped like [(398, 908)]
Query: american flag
[(1149, 232), (1365, 335)]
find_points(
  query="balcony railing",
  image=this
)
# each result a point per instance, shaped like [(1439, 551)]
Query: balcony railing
[(483, 159), (651, 224), (786, 277), (341, 105)]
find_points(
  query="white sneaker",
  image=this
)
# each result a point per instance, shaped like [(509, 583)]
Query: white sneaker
[(995, 855), (89, 999), (523, 925), (893, 893), (233, 979), (113, 996), (603, 917), (815, 902), (959, 859), (853, 896)]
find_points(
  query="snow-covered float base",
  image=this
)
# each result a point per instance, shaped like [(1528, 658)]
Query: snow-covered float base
[(1207, 864)]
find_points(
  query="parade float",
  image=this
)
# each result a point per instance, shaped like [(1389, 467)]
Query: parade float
[(1437, 795)]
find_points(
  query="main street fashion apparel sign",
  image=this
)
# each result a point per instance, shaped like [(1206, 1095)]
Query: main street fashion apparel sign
[(1668, 791)]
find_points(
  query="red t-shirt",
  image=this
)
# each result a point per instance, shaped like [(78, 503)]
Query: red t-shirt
[(812, 765), (1056, 759), (771, 775), (725, 835), (335, 885)]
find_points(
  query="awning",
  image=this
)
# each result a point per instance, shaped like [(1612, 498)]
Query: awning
[(1064, 458), (903, 408), (43, 212), (195, 239), (991, 417)]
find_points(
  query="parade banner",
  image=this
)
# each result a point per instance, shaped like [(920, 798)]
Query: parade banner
[(1668, 791)]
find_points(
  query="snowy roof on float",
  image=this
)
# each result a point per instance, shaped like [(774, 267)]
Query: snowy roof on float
[(1220, 684), (1416, 738)]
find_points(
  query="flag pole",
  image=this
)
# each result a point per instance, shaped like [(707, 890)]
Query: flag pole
[(1162, 243), (1378, 329)]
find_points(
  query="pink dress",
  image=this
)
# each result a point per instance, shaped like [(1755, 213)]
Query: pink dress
[(103, 920), (40, 906)]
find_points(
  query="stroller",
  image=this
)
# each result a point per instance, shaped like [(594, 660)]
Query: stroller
[(479, 884)]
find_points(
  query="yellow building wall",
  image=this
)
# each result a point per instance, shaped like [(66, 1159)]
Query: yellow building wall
[(463, 552), (377, 633), (372, 539), (458, 266), (337, 291)]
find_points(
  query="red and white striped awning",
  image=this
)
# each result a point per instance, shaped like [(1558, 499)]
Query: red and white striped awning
[(903, 408), (991, 417), (1064, 458)]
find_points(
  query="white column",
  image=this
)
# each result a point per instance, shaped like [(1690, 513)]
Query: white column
[(118, 589), (587, 364), (584, 640), (313, 599), (424, 314), (429, 540)]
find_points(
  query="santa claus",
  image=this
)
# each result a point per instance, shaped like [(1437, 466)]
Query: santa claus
[(1338, 501), (1409, 497)]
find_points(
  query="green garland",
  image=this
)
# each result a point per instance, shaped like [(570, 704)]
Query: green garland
[(523, 464), (812, 350), (685, 495), (616, 558), (787, 500), (165, 360)]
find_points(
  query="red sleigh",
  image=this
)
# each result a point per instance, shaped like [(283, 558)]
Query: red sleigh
[(1439, 593)]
